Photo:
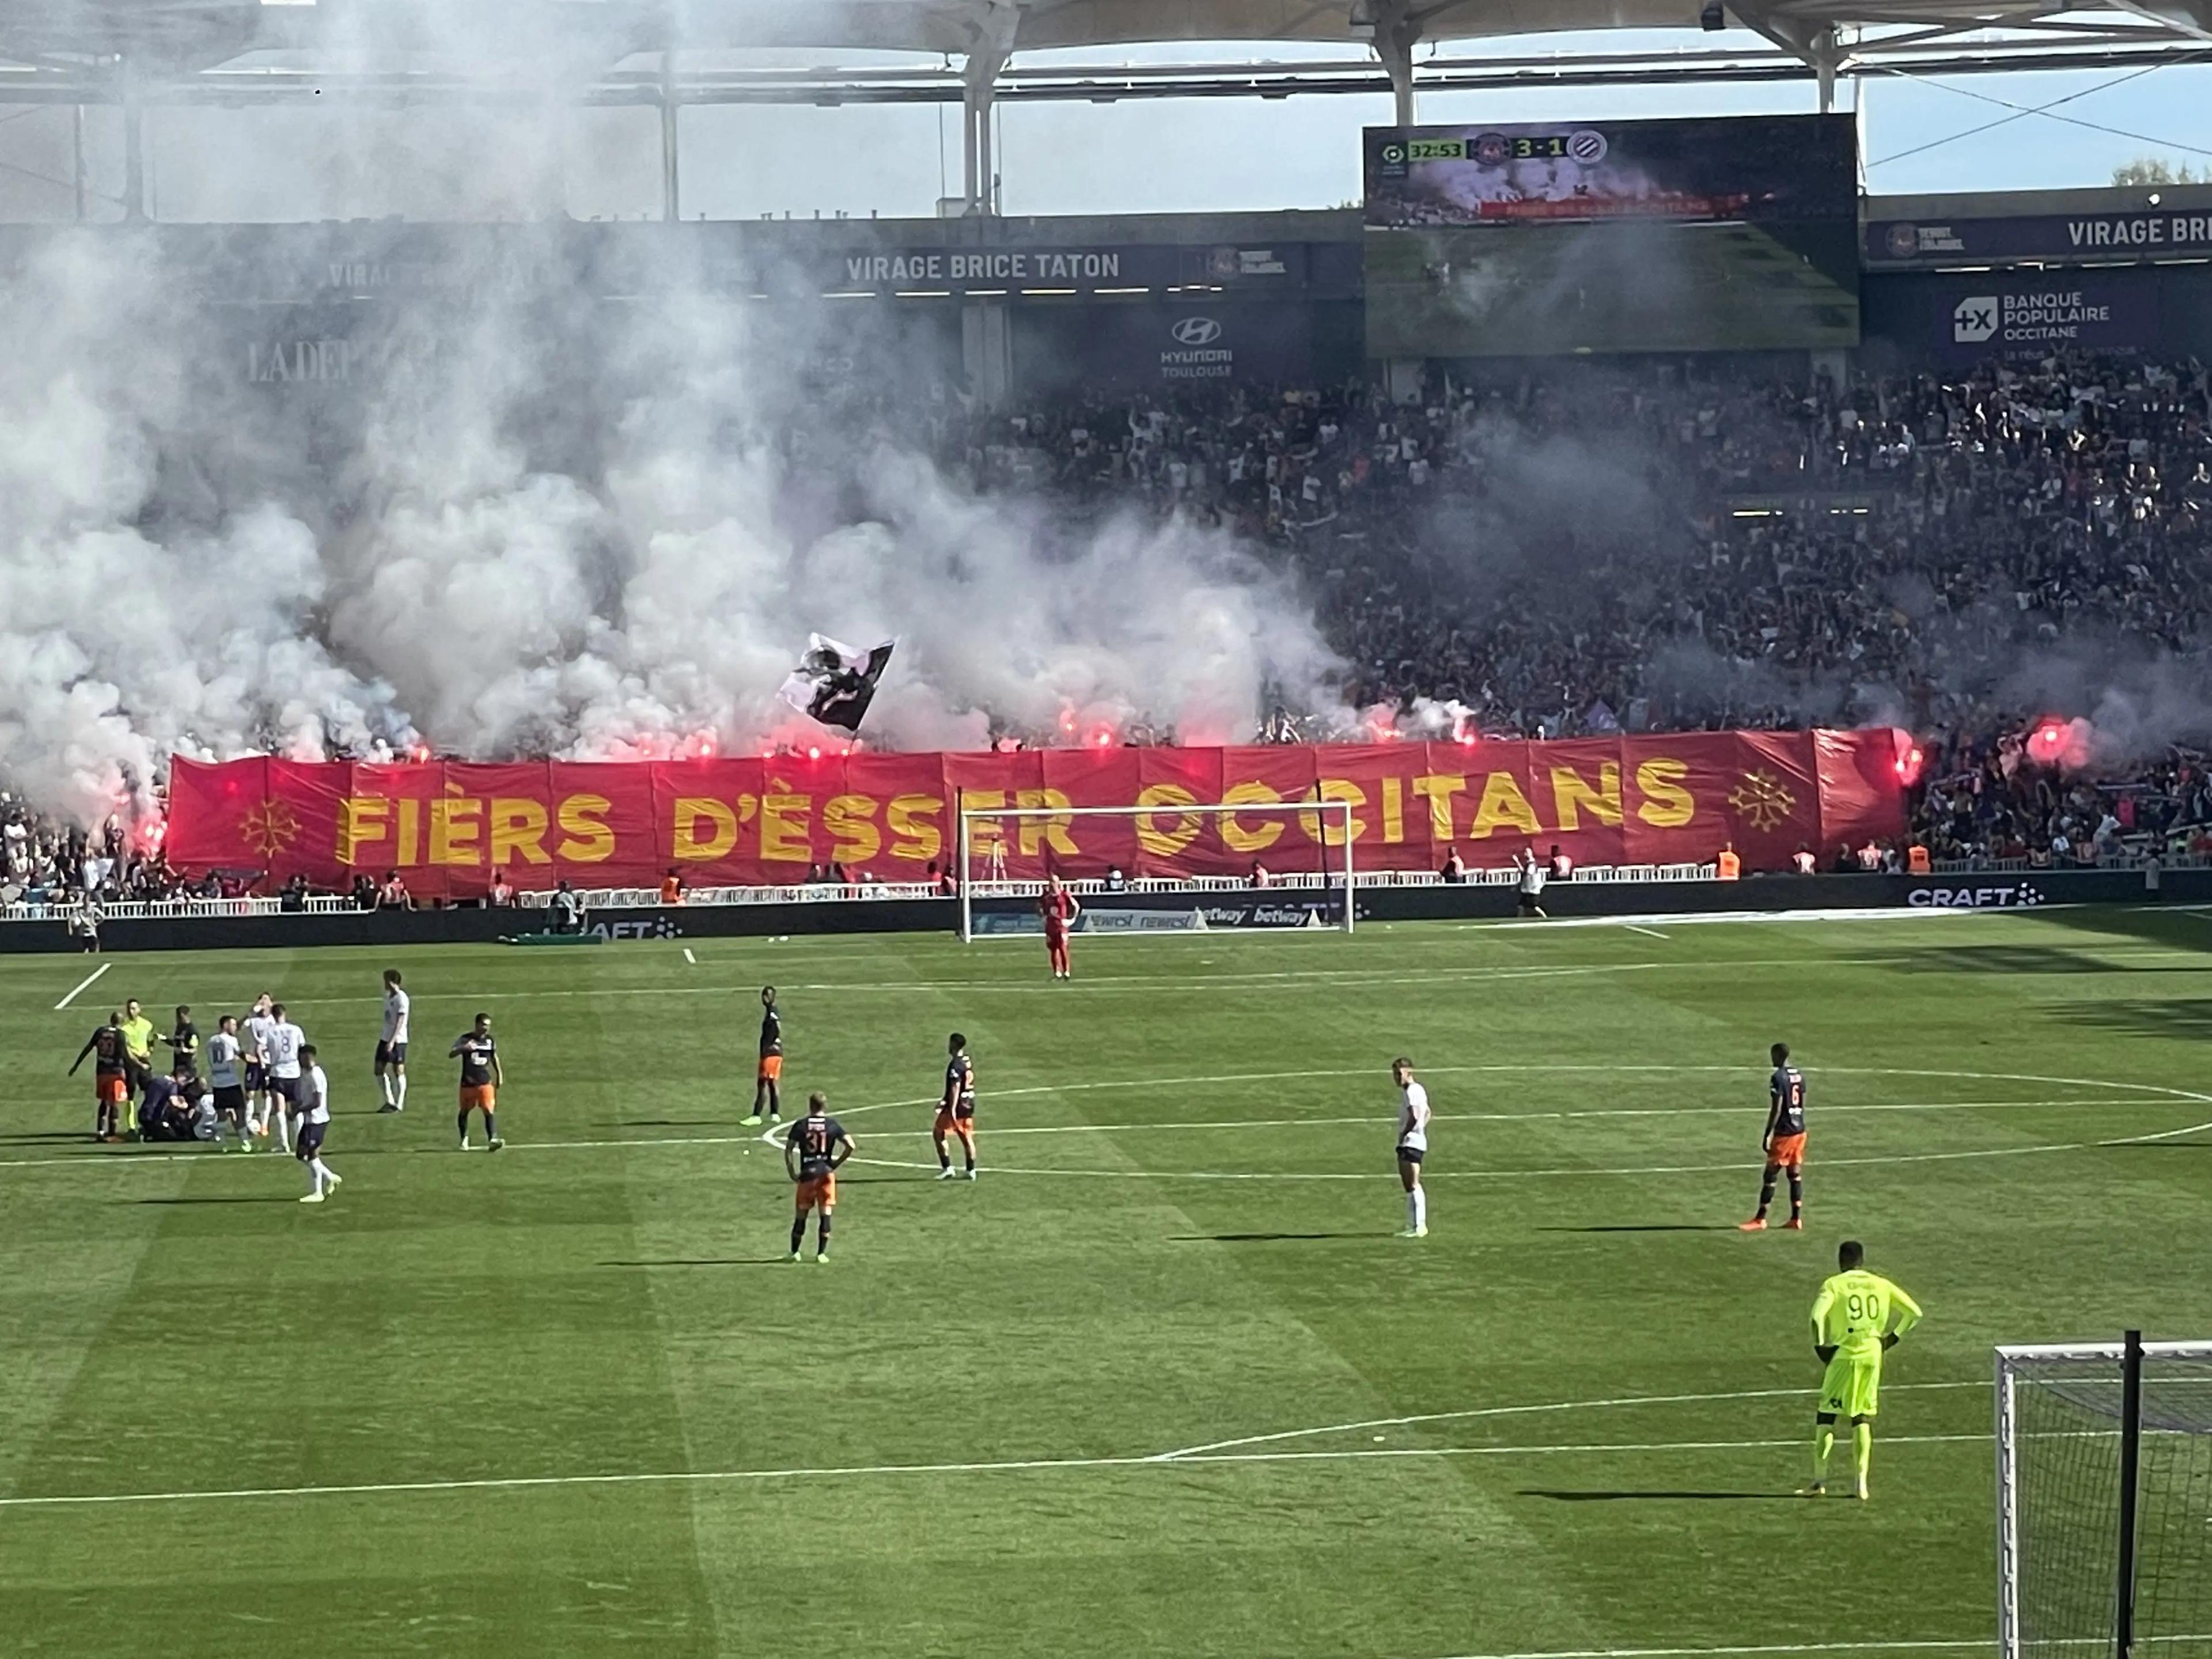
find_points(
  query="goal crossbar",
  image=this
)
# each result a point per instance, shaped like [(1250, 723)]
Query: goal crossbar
[(1339, 830)]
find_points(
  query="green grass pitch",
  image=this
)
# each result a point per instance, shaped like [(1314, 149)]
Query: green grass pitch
[(572, 1401)]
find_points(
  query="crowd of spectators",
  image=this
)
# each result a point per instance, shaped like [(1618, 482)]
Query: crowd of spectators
[(1597, 547)]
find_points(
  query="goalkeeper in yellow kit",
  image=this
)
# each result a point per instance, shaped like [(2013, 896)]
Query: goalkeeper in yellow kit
[(1852, 1328)]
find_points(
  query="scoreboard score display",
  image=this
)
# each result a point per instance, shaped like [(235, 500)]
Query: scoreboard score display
[(1677, 235), (1753, 167)]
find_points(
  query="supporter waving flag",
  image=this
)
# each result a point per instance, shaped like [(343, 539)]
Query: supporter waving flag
[(833, 683)]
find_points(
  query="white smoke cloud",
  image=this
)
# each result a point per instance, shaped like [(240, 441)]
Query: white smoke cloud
[(508, 555)]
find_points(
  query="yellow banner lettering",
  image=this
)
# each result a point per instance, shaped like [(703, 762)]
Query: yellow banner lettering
[(1438, 790), (583, 820), (518, 830), (688, 845), (1503, 806), (1166, 843), (852, 820), (914, 829), (456, 829), (1666, 805), (362, 819), (1571, 794), (1331, 832), (1039, 833), (783, 834), (1234, 835)]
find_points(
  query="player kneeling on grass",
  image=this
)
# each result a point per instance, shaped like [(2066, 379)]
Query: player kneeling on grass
[(1413, 1145), (1851, 1331), (813, 1152), (481, 1078), (313, 1102), (1783, 1142), (956, 1111)]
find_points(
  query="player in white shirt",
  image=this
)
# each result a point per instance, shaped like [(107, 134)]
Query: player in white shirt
[(226, 1059), (258, 1024), (312, 1097), (280, 1050), (1413, 1145), (391, 1045)]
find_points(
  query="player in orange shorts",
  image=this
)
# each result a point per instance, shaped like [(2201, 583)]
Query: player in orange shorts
[(111, 1077), (1785, 1141), (956, 1112), (812, 1153), (768, 1081), (480, 1080)]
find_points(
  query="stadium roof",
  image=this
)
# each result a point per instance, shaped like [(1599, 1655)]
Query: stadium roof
[(187, 34)]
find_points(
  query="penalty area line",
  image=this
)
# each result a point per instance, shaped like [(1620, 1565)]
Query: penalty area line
[(83, 985), (1009, 1465)]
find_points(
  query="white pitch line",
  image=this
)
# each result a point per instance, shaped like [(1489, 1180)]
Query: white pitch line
[(1904, 1646), (703, 1477), (1532, 1410), (1568, 1172), (1908, 1645), (82, 985), (1373, 1119), (2163, 1093), (1649, 932)]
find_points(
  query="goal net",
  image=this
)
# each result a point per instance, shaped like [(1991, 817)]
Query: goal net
[(2105, 1501), (1004, 855)]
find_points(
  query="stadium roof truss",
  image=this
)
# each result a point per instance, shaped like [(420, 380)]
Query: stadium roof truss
[(977, 52)]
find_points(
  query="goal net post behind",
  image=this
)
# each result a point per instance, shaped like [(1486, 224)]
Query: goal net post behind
[(989, 840), (2105, 1500)]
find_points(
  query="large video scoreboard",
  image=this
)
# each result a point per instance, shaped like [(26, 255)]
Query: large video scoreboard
[(1681, 235)]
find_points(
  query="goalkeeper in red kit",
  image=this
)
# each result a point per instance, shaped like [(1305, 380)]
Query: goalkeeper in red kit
[(1058, 908)]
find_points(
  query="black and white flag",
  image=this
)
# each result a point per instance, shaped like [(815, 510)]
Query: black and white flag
[(836, 684)]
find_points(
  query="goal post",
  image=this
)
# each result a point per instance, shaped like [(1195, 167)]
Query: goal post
[(2105, 1500), (983, 833)]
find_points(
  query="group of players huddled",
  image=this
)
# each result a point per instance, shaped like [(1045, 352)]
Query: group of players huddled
[(262, 1077)]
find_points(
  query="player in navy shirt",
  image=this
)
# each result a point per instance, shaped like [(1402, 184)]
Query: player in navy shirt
[(956, 1109), (1783, 1142), (813, 1151)]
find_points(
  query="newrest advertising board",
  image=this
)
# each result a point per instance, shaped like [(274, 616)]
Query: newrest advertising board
[(1682, 235), (448, 826)]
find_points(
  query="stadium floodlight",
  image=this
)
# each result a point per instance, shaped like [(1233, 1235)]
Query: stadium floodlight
[(1168, 826), (2105, 1500)]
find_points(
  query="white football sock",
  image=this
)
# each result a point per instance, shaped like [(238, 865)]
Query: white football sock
[(1420, 1208), (384, 1081), (323, 1171), (399, 1088), (283, 1127)]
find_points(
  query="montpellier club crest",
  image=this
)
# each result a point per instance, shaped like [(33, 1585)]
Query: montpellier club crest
[(269, 828), (1762, 801)]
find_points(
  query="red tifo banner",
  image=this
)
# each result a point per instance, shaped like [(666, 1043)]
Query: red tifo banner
[(448, 826)]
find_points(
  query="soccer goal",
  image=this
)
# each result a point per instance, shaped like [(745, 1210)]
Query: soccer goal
[(1317, 878), (2105, 1500)]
